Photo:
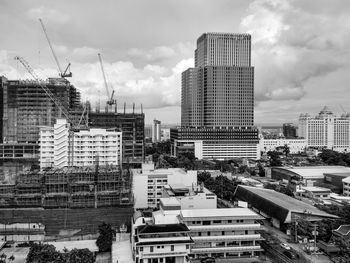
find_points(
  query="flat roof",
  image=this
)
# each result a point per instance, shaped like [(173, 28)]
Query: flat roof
[(316, 189), (346, 174), (169, 201), (346, 180), (219, 212)]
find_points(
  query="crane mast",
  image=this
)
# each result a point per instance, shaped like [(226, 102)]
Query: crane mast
[(63, 74), (110, 100)]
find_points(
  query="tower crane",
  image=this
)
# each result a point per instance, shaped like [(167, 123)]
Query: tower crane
[(73, 124), (110, 100), (66, 73)]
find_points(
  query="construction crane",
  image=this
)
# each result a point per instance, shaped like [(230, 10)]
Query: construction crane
[(110, 100), (66, 73), (61, 107)]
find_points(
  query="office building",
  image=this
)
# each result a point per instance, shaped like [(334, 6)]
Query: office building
[(217, 100), (60, 148), (326, 130), (148, 183), (295, 145), (289, 131), (156, 131)]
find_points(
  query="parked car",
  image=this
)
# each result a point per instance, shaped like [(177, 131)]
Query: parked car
[(285, 246), (208, 260)]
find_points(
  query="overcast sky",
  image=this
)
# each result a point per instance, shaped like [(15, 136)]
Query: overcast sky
[(301, 49)]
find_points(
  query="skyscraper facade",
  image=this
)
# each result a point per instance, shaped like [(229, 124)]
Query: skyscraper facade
[(217, 100)]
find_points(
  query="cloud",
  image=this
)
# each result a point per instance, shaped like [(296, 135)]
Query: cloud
[(83, 53), (49, 15), (291, 46), (161, 53)]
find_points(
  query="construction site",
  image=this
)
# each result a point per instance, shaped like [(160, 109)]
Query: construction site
[(70, 187)]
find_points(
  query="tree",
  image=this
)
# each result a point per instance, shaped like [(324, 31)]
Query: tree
[(11, 258), (80, 255), (274, 158), (105, 239), (44, 253), (286, 150)]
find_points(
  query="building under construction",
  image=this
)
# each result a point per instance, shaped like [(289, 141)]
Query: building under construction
[(25, 107), (70, 187)]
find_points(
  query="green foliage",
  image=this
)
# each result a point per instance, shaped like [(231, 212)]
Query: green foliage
[(275, 159), (221, 185), (44, 253), (158, 149), (105, 239), (331, 157)]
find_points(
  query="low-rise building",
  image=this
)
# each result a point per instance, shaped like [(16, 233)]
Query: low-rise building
[(193, 197), (148, 183), (346, 186), (295, 145), (223, 233), (342, 233), (22, 232), (314, 192), (280, 209)]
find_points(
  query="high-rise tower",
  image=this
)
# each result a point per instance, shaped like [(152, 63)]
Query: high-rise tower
[(217, 100)]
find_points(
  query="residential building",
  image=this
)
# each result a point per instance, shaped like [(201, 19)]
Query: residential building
[(294, 145), (156, 131), (148, 183), (217, 100), (289, 130), (315, 193), (59, 147), (346, 186), (165, 134), (342, 233), (223, 233), (326, 130), (166, 243), (335, 179)]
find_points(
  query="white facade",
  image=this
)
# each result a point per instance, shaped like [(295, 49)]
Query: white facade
[(326, 130), (156, 131), (223, 233), (165, 134), (148, 183), (346, 186), (220, 150), (22, 232), (295, 145), (89, 146)]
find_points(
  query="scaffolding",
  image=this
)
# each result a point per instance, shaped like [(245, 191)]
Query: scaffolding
[(70, 187)]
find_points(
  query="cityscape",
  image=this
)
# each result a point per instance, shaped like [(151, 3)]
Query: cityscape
[(174, 132)]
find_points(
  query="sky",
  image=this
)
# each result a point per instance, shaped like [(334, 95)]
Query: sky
[(300, 49)]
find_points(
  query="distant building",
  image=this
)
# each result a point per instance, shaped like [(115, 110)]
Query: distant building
[(156, 131), (165, 134), (148, 132), (60, 148), (336, 180), (295, 145), (148, 183), (217, 100), (315, 193), (289, 130), (326, 130)]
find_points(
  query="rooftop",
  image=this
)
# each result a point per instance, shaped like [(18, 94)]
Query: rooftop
[(277, 204), (346, 180), (316, 171), (343, 230), (316, 189), (170, 201), (219, 212), (162, 228)]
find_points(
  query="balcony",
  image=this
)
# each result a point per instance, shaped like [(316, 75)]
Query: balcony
[(227, 238), (163, 254), (225, 249), (225, 227)]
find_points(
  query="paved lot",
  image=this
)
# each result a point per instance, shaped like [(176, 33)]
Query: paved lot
[(20, 253)]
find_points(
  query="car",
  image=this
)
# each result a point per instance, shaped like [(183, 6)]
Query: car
[(285, 246), (208, 260), (290, 254)]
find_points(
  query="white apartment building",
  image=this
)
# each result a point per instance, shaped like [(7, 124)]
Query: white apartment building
[(88, 146), (148, 183), (326, 130), (223, 233), (346, 186), (295, 145), (156, 131), (22, 232)]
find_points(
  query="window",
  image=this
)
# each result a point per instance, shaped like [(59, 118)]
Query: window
[(151, 248), (172, 248), (141, 249), (187, 246)]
